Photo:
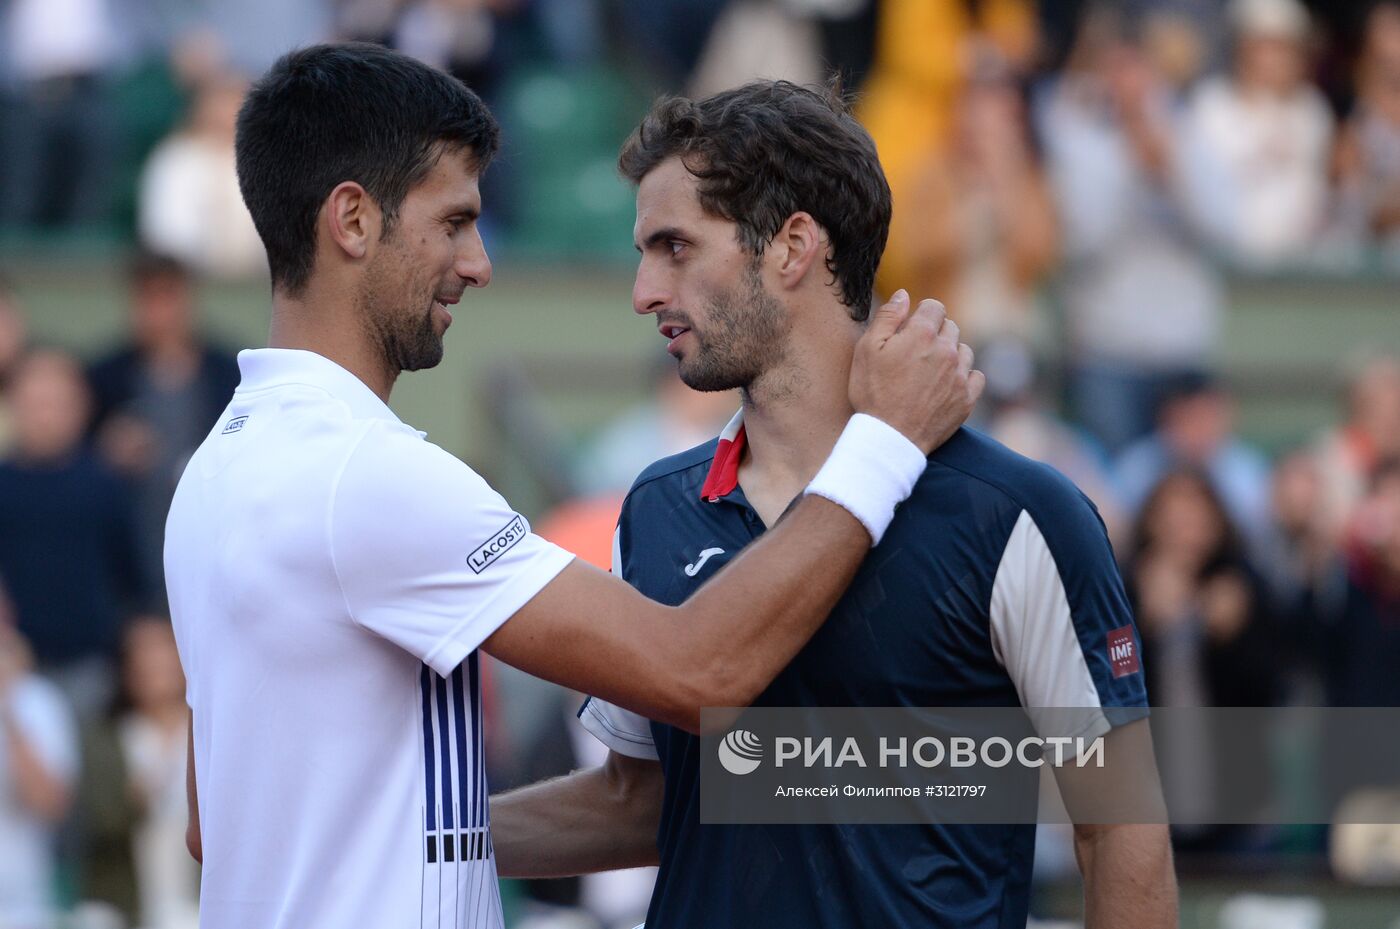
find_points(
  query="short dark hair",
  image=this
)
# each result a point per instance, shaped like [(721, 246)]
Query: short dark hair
[(767, 150), (346, 112)]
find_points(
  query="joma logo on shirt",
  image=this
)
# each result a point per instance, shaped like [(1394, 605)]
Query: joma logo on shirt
[(499, 543)]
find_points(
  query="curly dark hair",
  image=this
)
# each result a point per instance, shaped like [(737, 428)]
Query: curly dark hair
[(767, 150)]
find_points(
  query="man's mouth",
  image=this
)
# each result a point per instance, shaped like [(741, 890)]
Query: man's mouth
[(673, 332), (443, 304)]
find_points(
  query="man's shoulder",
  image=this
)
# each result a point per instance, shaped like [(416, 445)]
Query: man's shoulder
[(993, 477), (683, 473), (985, 466), (388, 458)]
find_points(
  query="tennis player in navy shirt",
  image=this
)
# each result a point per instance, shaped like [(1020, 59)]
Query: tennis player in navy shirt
[(761, 216)]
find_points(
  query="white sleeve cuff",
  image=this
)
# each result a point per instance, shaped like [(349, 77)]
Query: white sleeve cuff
[(622, 731)]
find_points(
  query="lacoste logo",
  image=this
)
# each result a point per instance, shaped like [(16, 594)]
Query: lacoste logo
[(693, 569), (496, 546), (235, 425)]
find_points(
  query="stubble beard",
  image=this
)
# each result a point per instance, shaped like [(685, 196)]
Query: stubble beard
[(406, 337), (745, 336)]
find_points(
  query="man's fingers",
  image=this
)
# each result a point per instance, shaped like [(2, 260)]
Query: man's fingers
[(976, 381), (930, 316), (965, 358), (949, 331), (890, 316)]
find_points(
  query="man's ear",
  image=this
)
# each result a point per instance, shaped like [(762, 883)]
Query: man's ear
[(352, 219), (799, 248)]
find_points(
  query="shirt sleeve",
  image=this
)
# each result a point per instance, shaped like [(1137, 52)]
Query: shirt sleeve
[(622, 731), (427, 554), (1062, 627)]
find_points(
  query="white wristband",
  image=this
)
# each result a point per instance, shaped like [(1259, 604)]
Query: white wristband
[(872, 469)]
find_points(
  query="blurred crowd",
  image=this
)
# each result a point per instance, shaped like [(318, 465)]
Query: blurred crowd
[(1069, 177)]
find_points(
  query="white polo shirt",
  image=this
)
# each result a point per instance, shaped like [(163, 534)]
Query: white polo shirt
[(331, 575)]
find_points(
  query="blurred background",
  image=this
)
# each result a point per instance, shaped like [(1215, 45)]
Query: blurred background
[(1171, 229)]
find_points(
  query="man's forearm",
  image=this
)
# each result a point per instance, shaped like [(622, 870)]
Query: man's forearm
[(1129, 880), (786, 588), (589, 821)]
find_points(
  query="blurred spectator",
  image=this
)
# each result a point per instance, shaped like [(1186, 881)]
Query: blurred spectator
[(132, 802), (38, 764), (1349, 453), (247, 36), (758, 40), (1019, 420), (1355, 639), (923, 50), (1368, 157), (1138, 202), (1272, 130), (1359, 635), (978, 229), (1180, 38), (847, 29), (14, 338), (1200, 605), (153, 732), (1300, 549), (66, 543), (675, 419), (158, 396), (1196, 430), (572, 30), (1207, 640), (190, 205), (56, 148), (670, 35), (460, 38)]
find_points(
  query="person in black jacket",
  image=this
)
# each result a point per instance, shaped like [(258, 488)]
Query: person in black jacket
[(66, 540), (1208, 640), (156, 397)]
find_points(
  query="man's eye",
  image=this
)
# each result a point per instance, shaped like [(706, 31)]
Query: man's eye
[(676, 247)]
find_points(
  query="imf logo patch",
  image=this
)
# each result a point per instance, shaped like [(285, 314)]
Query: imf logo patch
[(740, 752), (1123, 652)]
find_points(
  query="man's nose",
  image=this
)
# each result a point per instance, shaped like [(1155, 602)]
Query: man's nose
[(474, 265), (647, 294)]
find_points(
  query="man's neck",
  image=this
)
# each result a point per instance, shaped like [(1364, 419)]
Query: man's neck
[(793, 416), (322, 323)]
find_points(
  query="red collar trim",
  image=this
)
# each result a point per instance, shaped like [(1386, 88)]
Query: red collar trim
[(724, 470)]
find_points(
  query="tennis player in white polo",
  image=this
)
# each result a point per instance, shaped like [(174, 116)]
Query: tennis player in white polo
[(332, 575)]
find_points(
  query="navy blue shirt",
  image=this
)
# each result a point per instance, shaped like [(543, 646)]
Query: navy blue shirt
[(994, 586), (67, 555)]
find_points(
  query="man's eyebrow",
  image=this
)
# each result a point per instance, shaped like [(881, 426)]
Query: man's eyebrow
[(659, 236)]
